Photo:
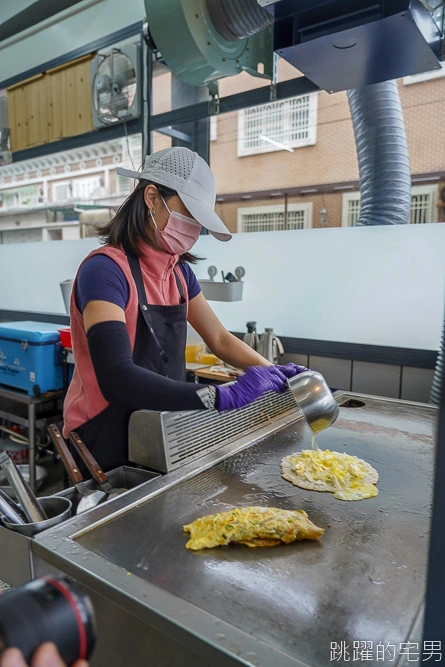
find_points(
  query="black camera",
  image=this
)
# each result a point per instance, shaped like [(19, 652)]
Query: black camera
[(51, 609)]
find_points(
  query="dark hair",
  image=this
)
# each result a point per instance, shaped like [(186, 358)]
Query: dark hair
[(129, 227)]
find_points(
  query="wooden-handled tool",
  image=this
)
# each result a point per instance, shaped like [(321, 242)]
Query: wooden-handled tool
[(96, 471), (90, 498)]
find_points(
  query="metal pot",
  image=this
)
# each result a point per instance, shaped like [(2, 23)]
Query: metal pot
[(270, 346), (58, 509)]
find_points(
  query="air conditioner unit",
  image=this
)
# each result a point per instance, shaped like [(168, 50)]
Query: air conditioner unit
[(116, 88)]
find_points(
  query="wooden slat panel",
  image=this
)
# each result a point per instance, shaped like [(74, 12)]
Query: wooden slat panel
[(11, 98), (20, 84), (17, 119), (84, 98), (70, 99), (36, 111), (51, 106), (78, 61), (54, 111)]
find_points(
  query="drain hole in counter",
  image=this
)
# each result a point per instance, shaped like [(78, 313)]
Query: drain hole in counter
[(352, 403)]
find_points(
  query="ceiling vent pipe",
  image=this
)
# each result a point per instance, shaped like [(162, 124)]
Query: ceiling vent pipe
[(382, 151), (376, 110), (236, 20), (437, 378)]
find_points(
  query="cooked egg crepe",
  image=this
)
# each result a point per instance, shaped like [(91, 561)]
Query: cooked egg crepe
[(252, 526), (348, 477)]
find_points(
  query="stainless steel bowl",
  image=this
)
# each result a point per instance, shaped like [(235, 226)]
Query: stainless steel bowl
[(57, 509), (315, 400)]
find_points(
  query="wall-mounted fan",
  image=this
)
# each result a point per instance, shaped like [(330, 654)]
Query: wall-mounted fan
[(116, 81), (5, 153)]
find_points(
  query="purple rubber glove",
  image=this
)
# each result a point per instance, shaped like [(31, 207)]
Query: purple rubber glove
[(255, 382), (290, 370)]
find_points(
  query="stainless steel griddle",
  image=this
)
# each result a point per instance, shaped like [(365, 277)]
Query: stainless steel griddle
[(275, 606)]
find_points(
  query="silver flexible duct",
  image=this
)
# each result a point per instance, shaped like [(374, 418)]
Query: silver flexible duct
[(437, 379), (235, 20), (382, 150)]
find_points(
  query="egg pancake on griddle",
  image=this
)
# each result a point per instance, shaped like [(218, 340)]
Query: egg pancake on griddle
[(252, 526), (347, 477)]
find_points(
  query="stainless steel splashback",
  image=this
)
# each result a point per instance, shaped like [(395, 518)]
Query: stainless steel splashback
[(165, 441)]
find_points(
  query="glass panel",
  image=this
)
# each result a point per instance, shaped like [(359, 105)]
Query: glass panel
[(161, 90), (51, 188)]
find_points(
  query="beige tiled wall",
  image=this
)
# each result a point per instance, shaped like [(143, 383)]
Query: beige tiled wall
[(407, 383), (416, 384)]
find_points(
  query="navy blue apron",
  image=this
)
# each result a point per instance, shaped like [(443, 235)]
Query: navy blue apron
[(161, 334)]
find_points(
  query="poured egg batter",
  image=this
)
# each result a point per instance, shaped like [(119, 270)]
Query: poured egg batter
[(348, 477)]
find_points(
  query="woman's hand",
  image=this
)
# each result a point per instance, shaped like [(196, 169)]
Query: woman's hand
[(221, 342), (46, 655), (291, 370), (256, 381)]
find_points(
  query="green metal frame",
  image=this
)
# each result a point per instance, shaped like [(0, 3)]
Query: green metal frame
[(195, 51)]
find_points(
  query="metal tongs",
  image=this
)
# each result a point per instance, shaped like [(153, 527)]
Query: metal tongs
[(10, 510), (31, 507)]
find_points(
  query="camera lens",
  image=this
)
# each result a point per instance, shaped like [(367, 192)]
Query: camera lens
[(52, 609)]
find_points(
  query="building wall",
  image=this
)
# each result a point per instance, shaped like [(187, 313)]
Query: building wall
[(228, 211), (334, 156), (333, 159), (423, 110)]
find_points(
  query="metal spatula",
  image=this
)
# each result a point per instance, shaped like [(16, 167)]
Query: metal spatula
[(96, 472), (90, 498)]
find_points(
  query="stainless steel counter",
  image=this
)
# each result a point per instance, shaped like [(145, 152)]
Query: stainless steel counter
[(276, 606)]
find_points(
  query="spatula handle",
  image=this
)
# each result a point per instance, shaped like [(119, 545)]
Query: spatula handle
[(65, 454), (96, 471)]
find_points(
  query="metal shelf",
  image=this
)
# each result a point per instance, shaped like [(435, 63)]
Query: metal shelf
[(29, 411)]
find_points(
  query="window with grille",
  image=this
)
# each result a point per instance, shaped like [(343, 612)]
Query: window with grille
[(62, 191), (9, 200), (423, 206), (21, 235), (353, 212), (83, 187), (272, 218), (278, 125), (27, 196)]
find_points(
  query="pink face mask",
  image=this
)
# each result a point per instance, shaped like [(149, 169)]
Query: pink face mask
[(179, 234)]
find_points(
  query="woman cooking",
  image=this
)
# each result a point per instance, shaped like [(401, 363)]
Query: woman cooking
[(130, 305)]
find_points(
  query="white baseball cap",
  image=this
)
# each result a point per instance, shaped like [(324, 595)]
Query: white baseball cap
[(184, 171)]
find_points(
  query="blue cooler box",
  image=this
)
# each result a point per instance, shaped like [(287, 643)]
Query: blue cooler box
[(31, 356)]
